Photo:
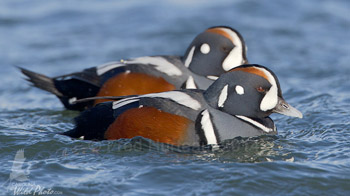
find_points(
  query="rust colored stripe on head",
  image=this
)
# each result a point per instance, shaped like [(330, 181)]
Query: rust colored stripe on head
[(150, 123), (133, 84), (220, 32), (252, 70)]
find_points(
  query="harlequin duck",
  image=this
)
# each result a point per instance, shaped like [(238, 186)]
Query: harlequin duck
[(211, 53), (237, 104)]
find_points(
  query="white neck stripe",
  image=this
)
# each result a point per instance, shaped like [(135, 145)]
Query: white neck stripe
[(223, 96), (190, 83), (189, 57)]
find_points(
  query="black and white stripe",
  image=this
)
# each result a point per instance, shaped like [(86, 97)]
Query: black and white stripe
[(179, 97), (109, 66), (159, 63), (190, 84), (206, 129), (256, 124)]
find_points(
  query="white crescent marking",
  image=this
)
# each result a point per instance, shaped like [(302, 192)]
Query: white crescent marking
[(190, 83), (223, 96), (189, 57), (270, 100), (235, 57), (208, 128)]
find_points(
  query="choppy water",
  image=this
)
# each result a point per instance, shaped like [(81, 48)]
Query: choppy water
[(307, 44)]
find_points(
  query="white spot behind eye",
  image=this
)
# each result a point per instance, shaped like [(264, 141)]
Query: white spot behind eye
[(205, 48), (239, 90)]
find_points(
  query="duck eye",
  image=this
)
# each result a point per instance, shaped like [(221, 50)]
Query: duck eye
[(226, 49), (260, 89)]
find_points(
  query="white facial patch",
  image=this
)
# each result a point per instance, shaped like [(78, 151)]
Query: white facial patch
[(189, 57), (223, 96), (235, 57), (208, 128), (239, 90), (270, 99), (205, 48), (190, 83)]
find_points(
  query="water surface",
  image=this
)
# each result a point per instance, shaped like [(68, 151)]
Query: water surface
[(306, 43)]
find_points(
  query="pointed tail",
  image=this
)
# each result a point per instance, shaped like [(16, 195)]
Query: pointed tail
[(41, 81)]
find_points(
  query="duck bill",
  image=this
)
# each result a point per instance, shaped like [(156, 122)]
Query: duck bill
[(284, 108)]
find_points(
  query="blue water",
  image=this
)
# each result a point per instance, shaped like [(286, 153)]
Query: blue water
[(306, 43)]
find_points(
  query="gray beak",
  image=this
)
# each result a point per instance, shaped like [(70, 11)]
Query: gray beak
[(284, 108)]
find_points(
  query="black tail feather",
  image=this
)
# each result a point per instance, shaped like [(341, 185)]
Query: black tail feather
[(67, 90), (93, 122), (41, 81), (74, 133)]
